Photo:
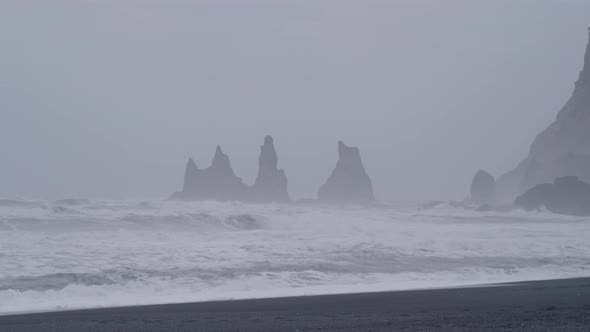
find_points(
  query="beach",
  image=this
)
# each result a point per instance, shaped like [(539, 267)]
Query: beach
[(552, 305)]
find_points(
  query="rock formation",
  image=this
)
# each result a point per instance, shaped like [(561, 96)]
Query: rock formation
[(349, 182), (218, 182), (560, 150), (191, 176), (271, 183), (483, 188), (567, 195)]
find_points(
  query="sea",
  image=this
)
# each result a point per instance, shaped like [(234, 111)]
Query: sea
[(73, 253)]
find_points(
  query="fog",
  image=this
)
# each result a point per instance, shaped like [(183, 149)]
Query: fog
[(108, 99)]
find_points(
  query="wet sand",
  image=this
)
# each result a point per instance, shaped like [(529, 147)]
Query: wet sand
[(553, 305)]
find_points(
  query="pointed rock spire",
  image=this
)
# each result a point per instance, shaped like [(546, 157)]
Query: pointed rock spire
[(191, 176), (271, 183), (349, 182), (268, 160), (221, 162), (218, 182)]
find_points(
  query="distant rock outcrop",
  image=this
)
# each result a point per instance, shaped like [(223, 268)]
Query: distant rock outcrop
[(561, 149), (349, 182), (218, 182), (271, 183), (483, 188), (567, 195), (191, 176)]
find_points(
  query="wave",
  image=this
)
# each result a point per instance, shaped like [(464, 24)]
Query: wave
[(72, 202), (54, 281), (109, 253), (244, 222), (19, 203), (88, 292), (58, 218)]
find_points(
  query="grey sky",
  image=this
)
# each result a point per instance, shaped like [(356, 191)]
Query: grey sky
[(109, 98)]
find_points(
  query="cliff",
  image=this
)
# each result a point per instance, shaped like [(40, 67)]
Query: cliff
[(562, 149)]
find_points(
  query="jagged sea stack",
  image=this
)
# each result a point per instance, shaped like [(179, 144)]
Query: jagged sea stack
[(560, 150), (218, 182), (483, 188), (191, 176), (349, 183), (271, 183)]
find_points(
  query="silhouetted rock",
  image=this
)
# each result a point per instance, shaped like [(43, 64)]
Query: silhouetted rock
[(483, 188), (561, 149), (218, 182), (349, 182), (271, 183), (567, 195), (191, 176)]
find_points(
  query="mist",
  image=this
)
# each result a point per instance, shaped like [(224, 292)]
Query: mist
[(108, 99)]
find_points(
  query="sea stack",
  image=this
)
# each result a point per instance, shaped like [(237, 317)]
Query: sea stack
[(271, 182), (191, 176), (567, 195), (349, 183), (218, 182), (483, 188), (562, 149)]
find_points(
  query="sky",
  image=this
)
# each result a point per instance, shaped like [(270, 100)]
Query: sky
[(108, 99)]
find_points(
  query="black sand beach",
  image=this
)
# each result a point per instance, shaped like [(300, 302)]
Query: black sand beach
[(554, 305)]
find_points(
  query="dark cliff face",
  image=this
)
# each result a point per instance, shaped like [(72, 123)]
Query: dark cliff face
[(567, 195), (561, 149), (483, 188), (271, 182), (349, 182)]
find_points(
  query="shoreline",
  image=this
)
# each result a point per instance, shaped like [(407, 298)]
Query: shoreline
[(286, 295), (476, 285), (560, 304)]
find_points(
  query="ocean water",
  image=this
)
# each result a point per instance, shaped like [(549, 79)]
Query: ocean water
[(83, 254)]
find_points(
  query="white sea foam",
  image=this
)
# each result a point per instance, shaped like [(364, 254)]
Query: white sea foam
[(80, 254)]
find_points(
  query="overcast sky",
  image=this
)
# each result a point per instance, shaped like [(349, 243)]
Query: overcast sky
[(108, 99)]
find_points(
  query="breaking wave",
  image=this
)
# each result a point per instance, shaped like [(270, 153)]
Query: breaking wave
[(80, 253)]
